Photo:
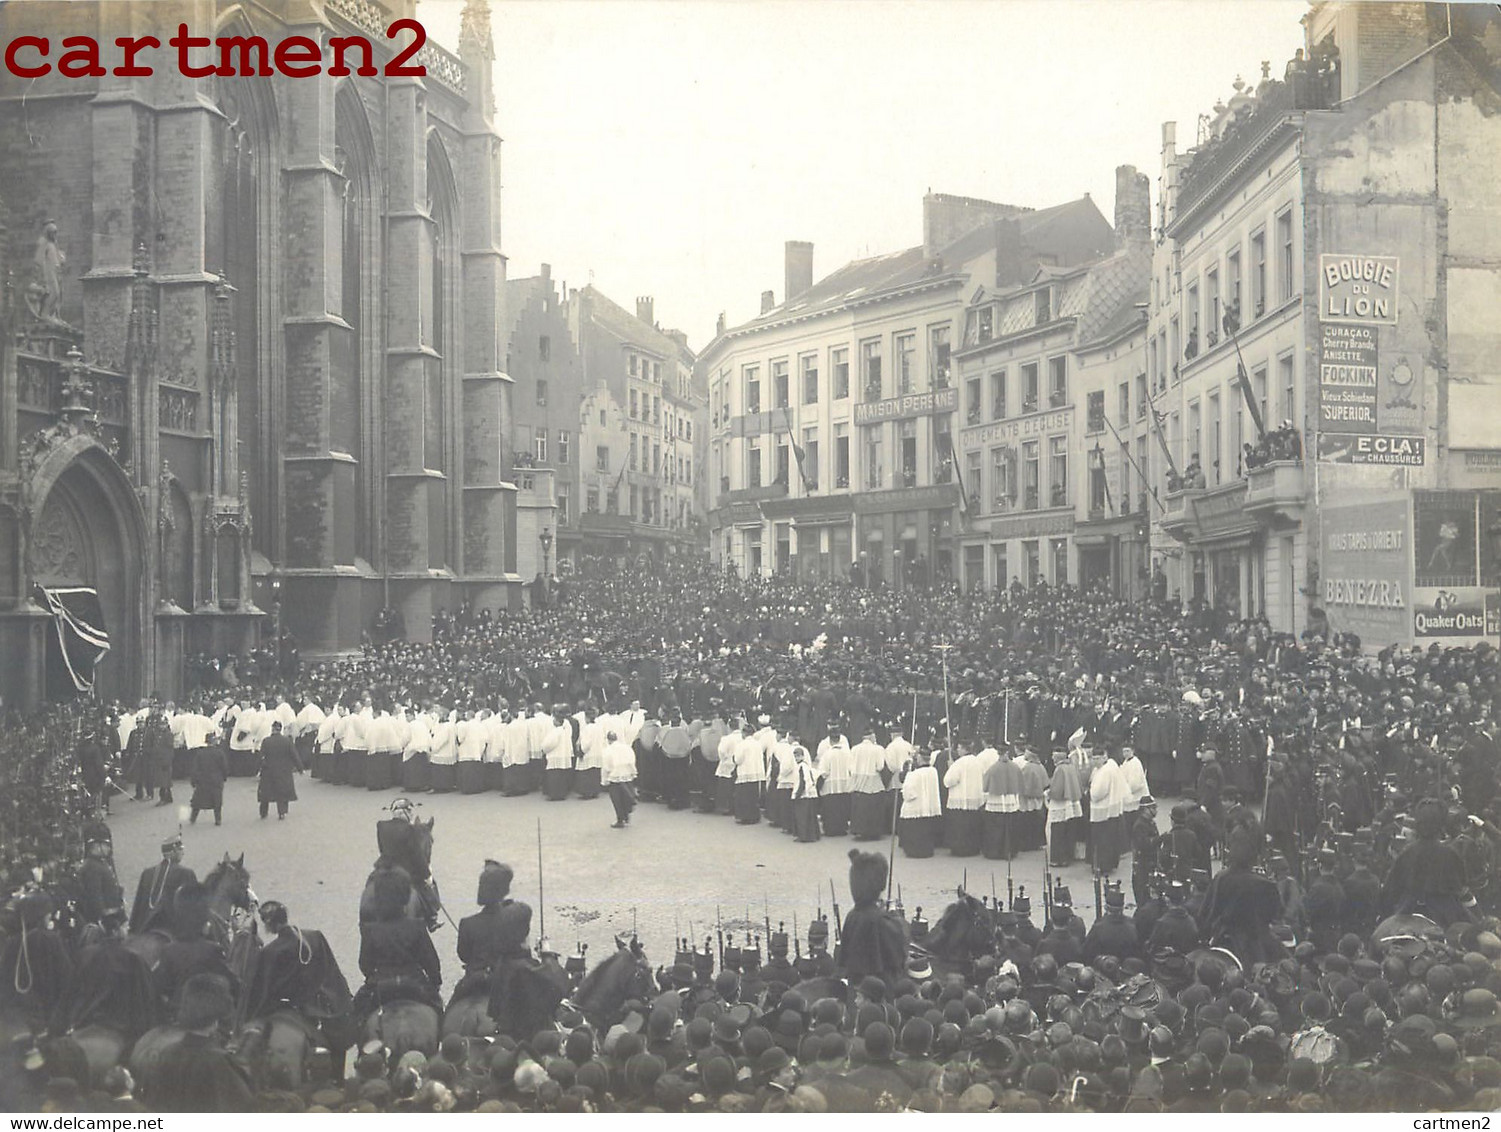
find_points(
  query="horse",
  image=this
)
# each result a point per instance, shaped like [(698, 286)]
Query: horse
[(228, 891), (469, 1017), (276, 1048), (623, 976), (403, 1026), (424, 903), (530, 995), (228, 886), (965, 931), (18, 1089), (228, 883), (149, 945), (414, 909), (150, 1048), (104, 1047)]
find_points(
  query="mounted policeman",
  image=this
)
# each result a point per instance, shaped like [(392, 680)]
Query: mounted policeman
[(406, 846)]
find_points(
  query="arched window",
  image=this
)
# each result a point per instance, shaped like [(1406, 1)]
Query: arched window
[(353, 366), (241, 151)]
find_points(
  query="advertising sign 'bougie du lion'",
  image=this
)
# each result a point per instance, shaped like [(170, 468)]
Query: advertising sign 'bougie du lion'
[(1358, 288)]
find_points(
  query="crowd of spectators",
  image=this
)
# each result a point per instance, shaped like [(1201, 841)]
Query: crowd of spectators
[(1344, 745)]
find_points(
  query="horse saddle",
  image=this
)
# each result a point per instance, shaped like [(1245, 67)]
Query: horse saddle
[(284, 1013), (389, 991)]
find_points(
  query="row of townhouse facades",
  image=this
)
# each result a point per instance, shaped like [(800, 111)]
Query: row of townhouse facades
[(1165, 408), (608, 431), (1322, 350), (834, 416)]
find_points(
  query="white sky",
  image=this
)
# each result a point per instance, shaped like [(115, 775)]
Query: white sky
[(670, 147)]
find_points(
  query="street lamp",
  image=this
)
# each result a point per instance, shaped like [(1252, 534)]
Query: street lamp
[(276, 614), (545, 538)]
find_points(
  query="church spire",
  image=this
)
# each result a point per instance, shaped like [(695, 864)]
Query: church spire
[(477, 50)]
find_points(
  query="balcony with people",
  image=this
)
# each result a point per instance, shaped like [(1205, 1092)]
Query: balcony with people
[(1274, 471), (1182, 488), (1238, 127), (1283, 445)]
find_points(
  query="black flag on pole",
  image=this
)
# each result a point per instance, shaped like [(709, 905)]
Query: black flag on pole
[(81, 636)]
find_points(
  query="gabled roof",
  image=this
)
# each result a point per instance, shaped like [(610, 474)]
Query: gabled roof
[(610, 316), (519, 295), (855, 279), (1065, 234)]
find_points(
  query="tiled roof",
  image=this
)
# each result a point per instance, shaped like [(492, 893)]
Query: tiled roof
[(1094, 294), (1067, 234), (1114, 286), (1127, 316), (856, 278), (615, 319)]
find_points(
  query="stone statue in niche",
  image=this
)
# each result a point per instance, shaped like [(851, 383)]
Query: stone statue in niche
[(44, 294), (165, 521)]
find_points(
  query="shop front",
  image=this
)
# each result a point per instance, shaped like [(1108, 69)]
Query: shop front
[(738, 539), (1241, 545), (902, 536), (1113, 556), (817, 534)]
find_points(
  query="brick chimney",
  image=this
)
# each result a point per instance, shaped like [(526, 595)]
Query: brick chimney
[(1133, 209), (644, 312), (768, 301), (799, 268), (1008, 250), (719, 326), (946, 217), (1169, 172)]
